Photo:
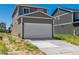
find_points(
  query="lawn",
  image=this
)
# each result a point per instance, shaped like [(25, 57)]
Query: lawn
[(69, 38)]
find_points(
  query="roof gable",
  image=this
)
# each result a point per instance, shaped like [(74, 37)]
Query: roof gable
[(65, 10), (59, 11), (38, 14)]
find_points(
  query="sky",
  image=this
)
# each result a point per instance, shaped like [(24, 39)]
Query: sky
[(6, 10)]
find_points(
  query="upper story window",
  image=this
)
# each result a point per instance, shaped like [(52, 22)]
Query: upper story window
[(26, 10), (77, 16)]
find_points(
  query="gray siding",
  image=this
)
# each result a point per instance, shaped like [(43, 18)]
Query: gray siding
[(20, 28), (15, 24), (76, 30), (63, 29), (38, 14), (17, 28), (63, 19), (37, 20), (32, 9), (59, 12)]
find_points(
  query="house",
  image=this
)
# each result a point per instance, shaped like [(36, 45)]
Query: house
[(66, 21), (31, 22), (2, 27)]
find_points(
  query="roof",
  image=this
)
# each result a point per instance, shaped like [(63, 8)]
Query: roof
[(37, 14), (30, 5), (70, 9), (66, 9), (26, 5)]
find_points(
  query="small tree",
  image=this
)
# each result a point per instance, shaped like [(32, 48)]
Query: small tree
[(9, 29)]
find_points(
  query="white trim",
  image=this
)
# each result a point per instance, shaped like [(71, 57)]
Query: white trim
[(45, 14), (37, 12), (65, 23), (26, 9), (72, 17), (74, 31), (36, 17)]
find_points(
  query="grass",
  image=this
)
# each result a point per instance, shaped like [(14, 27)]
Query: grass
[(70, 38), (14, 45), (21, 44), (3, 48)]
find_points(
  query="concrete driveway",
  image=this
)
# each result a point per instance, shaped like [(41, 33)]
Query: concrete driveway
[(53, 47)]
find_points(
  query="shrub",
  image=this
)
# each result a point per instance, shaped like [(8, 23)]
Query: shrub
[(3, 48)]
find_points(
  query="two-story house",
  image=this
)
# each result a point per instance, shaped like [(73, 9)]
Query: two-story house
[(31, 22), (66, 21)]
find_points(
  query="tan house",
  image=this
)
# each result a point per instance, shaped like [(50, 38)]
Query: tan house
[(31, 22)]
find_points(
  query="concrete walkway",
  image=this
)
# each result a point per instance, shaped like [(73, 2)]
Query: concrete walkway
[(52, 47)]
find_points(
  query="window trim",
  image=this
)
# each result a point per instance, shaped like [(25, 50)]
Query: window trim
[(26, 8)]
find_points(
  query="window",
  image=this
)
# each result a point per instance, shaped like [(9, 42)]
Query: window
[(77, 16), (26, 10)]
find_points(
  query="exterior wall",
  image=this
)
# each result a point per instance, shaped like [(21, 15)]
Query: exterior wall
[(60, 26), (20, 28), (38, 14), (37, 20), (37, 30), (59, 12), (63, 19), (76, 30), (32, 9), (63, 29), (15, 24), (17, 28)]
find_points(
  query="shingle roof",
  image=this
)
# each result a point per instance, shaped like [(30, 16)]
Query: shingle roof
[(70, 9), (65, 9)]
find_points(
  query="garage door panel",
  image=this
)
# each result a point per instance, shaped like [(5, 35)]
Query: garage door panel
[(37, 30)]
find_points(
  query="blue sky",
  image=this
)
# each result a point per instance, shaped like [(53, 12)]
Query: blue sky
[(6, 10)]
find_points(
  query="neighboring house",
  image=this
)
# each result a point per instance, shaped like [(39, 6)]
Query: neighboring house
[(66, 21), (2, 27), (31, 22)]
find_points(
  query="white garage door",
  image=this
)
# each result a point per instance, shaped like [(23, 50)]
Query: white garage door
[(37, 30)]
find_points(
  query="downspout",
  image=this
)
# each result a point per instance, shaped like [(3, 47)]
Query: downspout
[(52, 29)]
